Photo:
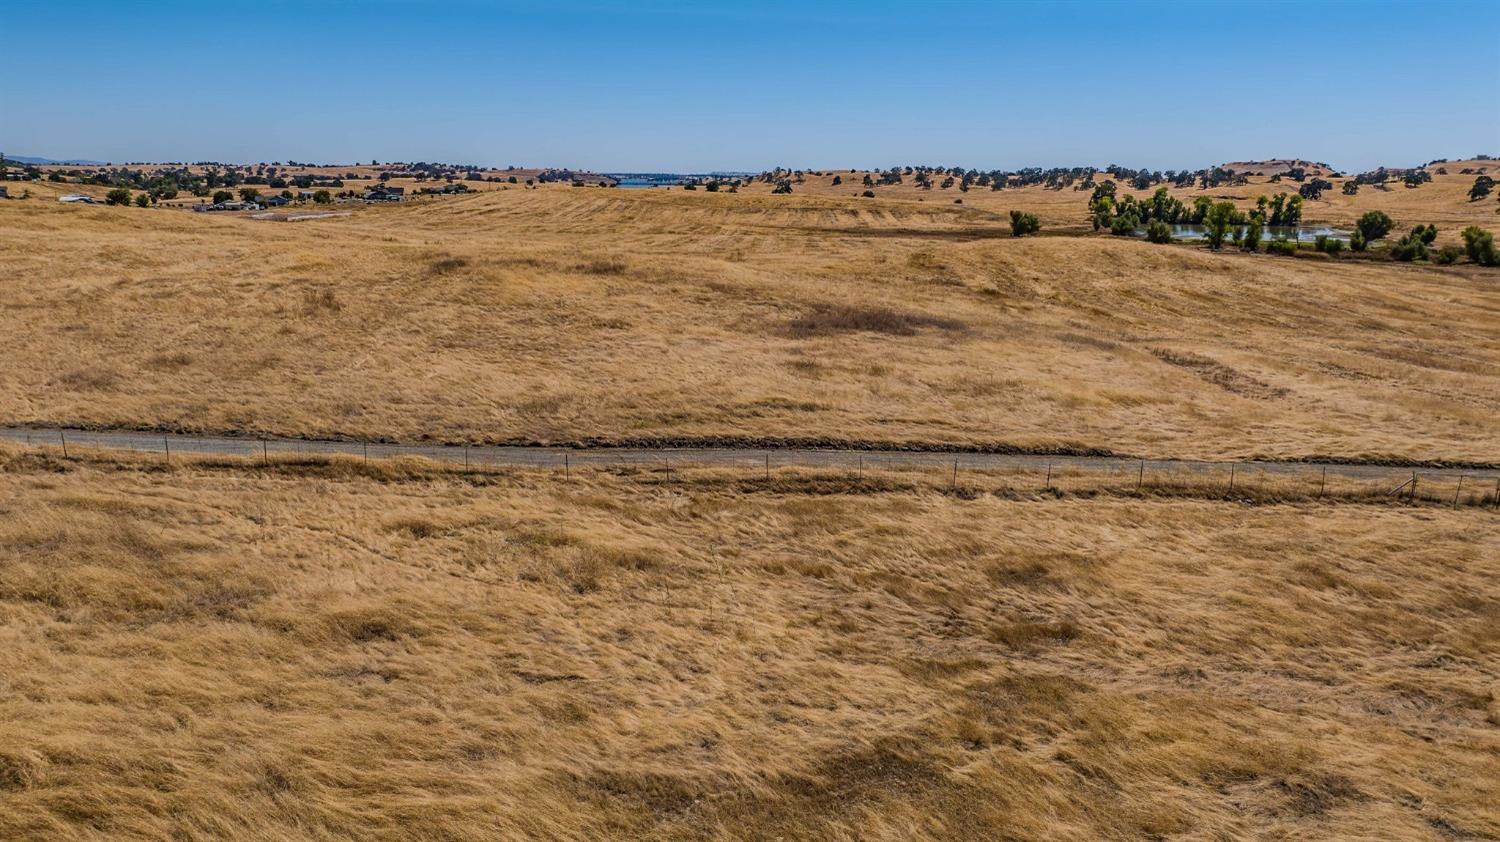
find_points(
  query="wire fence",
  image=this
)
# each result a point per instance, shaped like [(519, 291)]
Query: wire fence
[(955, 471)]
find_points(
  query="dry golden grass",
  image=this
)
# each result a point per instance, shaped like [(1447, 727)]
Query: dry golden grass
[(568, 314), (324, 650)]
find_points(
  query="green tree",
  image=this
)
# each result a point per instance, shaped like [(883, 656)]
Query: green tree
[(1251, 242), (221, 196), (117, 196), (1124, 225), (1158, 231), (1374, 225), (1023, 223), (1357, 241), (1292, 215), (323, 197), (142, 200), (1216, 222), (1482, 187), (249, 194)]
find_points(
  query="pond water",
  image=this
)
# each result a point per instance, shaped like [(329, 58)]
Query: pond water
[(1300, 233), (644, 182)]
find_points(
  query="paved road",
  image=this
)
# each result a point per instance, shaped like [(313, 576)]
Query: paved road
[(557, 457)]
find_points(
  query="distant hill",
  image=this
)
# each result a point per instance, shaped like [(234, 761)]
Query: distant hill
[(1277, 165), (26, 159)]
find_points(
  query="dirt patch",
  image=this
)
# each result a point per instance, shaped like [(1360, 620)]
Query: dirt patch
[(829, 321), (1215, 372)]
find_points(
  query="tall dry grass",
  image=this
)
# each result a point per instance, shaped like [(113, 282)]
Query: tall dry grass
[(335, 651)]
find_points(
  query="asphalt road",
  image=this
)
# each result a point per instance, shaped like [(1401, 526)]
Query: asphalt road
[(748, 458)]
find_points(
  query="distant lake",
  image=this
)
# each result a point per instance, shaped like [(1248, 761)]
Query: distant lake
[(644, 182), (1300, 233)]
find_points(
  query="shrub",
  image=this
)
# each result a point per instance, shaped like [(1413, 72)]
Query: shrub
[(1285, 248), (1321, 243), (117, 196), (1482, 187), (142, 200), (1023, 223), (837, 180), (323, 197), (868, 194), (1334, 248), (221, 196), (1357, 241), (1410, 247), (249, 194), (1158, 231), (1426, 235), (1480, 246), (1448, 254), (1374, 225), (1124, 225)]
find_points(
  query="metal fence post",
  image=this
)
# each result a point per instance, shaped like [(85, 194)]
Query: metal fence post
[(166, 448), (1141, 477), (1324, 483), (1049, 475), (64, 435), (1458, 490)]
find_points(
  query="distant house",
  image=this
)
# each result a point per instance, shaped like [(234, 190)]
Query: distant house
[(382, 193), (306, 195), (4, 192), (273, 201), (77, 197)]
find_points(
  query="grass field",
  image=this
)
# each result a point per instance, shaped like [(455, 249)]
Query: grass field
[(328, 651), (567, 314)]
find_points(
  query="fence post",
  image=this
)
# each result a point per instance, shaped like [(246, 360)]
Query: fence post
[(1049, 475), (953, 485), (1497, 493), (1324, 483), (466, 456), (861, 467), (166, 447), (264, 458), (1141, 477), (567, 467), (64, 434), (1231, 477), (1411, 496), (768, 466), (367, 451), (1458, 490)]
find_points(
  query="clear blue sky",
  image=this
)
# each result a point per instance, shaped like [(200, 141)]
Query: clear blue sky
[(731, 86)]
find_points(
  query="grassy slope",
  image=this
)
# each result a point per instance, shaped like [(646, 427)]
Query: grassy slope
[(331, 653), (1443, 202), (569, 313)]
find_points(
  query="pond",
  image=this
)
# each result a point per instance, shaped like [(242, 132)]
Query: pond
[(1300, 233)]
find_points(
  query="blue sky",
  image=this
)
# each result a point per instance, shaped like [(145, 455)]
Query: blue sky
[(731, 86)]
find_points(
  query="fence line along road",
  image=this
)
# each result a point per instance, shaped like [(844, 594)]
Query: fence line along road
[(563, 458)]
